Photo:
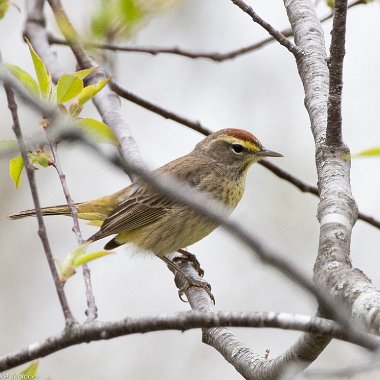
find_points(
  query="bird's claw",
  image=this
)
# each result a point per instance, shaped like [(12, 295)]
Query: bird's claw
[(190, 281), (188, 256)]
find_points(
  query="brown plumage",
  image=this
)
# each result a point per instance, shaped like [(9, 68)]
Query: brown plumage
[(138, 214)]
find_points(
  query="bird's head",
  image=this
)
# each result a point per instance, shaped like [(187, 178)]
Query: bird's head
[(233, 147)]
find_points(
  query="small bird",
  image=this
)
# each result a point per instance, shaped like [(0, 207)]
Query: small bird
[(140, 215)]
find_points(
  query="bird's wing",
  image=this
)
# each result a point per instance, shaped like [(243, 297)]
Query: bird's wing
[(142, 207), (145, 205)]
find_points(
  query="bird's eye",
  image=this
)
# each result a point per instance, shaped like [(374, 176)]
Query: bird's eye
[(237, 148)]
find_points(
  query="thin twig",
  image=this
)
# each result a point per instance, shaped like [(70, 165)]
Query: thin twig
[(335, 65), (303, 186), (213, 56), (128, 95), (307, 188), (91, 311), (96, 330), (69, 319), (295, 50), (155, 50)]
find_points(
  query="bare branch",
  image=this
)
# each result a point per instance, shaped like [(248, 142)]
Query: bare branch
[(337, 210), (335, 65), (154, 50), (69, 319), (307, 188), (183, 321), (248, 363), (213, 56), (195, 125), (91, 311), (295, 50)]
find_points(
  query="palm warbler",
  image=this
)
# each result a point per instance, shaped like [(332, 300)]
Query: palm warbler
[(140, 215)]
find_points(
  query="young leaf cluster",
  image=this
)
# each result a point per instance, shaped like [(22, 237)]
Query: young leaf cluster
[(70, 94)]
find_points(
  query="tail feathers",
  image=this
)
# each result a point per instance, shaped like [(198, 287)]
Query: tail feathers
[(55, 210), (112, 244)]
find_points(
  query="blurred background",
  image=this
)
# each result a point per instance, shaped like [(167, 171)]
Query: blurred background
[(260, 92)]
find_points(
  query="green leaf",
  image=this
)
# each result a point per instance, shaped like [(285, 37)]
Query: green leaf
[(4, 5), (41, 158), (81, 74), (75, 258), (84, 259), (30, 372), (26, 79), (103, 21), (369, 152), (68, 87), (131, 11), (66, 269), (8, 146), (16, 164), (43, 77), (90, 91), (97, 130)]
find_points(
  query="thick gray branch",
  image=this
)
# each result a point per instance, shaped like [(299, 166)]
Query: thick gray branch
[(337, 210), (335, 64)]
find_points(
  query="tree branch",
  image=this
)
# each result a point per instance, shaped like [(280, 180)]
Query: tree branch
[(154, 50), (69, 319), (249, 364), (91, 311), (307, 188), (96, 330), (213, 56), (295, 50), (195, 125), (337, 210), (335, 65)]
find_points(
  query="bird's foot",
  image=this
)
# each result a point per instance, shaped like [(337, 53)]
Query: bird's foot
[(198, 283), (190, 281), (186, 255)]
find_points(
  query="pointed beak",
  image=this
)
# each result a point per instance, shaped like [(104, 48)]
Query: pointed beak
[(268, 153)]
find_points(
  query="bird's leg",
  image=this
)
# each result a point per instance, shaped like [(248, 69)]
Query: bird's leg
[(190, 281), (192, 259)]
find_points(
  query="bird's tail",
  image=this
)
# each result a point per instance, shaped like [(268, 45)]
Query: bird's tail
[(54, 210)]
